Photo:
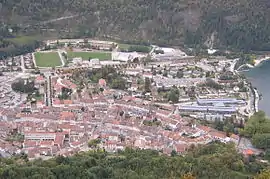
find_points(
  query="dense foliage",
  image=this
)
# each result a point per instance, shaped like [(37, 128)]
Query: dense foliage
[(23, 86), (211, 161), (258, 129), (112, 77), (14, 46), (244, 25), (173, 95)]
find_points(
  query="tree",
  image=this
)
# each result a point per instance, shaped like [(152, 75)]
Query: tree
[(258, 123), (118, 83), (94, 143), (64, 55), (138, 48), (188, 176), (66, 92), (173, 153), (265, 174), (165, 73), (147, 85), (229, 129), (215, 160), (173, 95), (180, 74), (261, 140), (23, 86), (207, 74)]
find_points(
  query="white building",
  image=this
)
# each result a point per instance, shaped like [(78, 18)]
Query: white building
[(95, 61), (126, 56), (39, 136), (168, 53)]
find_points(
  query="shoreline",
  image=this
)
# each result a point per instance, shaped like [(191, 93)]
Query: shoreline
[(256, 101), (254, 91), (260, 61), (257, 63)]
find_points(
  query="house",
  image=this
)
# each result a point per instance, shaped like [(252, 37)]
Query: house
[(39, 135), (39, 80), (248, 152), (59, 140), (234, 138), (66, 115), (63, 83), (102, 82), (77, 144), (221, 136), (180, 148), (147, 75), (29, 143)]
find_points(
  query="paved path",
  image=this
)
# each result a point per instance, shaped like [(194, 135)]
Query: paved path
[(61, 57), (22, 64), (34, 60), (49, 97)]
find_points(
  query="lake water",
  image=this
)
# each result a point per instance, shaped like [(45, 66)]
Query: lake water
[(260, 78)]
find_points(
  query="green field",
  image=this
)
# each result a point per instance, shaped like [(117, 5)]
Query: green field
[(48, 59), (90, 55), (124, 46), (133, 48), (21, 40)]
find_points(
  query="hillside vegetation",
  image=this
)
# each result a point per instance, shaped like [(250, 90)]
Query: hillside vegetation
[(207, 162), (243, 24)]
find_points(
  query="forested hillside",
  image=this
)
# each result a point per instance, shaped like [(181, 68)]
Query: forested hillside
[(207, 162), (243, 24)]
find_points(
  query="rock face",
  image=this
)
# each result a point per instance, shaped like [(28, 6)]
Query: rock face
[(243, 24)]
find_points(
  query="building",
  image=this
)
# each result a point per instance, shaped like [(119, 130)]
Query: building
[(126, 56), (207, 109), (102, 82), (220, 101), (39, 136)]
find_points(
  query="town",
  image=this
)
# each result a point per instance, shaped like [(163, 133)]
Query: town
[(80, 94)]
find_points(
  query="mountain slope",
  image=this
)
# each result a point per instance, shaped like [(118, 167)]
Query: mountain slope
[(243, 24)]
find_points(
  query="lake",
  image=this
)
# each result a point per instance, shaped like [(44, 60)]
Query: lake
[(260, 78)]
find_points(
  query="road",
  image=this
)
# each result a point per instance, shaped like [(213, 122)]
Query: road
[(61, 57), (48, 92), (50, 21), (22, 64), (233, 63), (59, 19)]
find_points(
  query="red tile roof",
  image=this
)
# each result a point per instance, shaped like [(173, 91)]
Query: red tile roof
[(46, 143), (40, 78), (102, 82), (248, 152), (66, 115), (67, 101)]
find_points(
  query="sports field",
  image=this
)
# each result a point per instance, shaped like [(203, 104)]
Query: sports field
[(48, 59), (124, 46), (134, 48), (91, 55)]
